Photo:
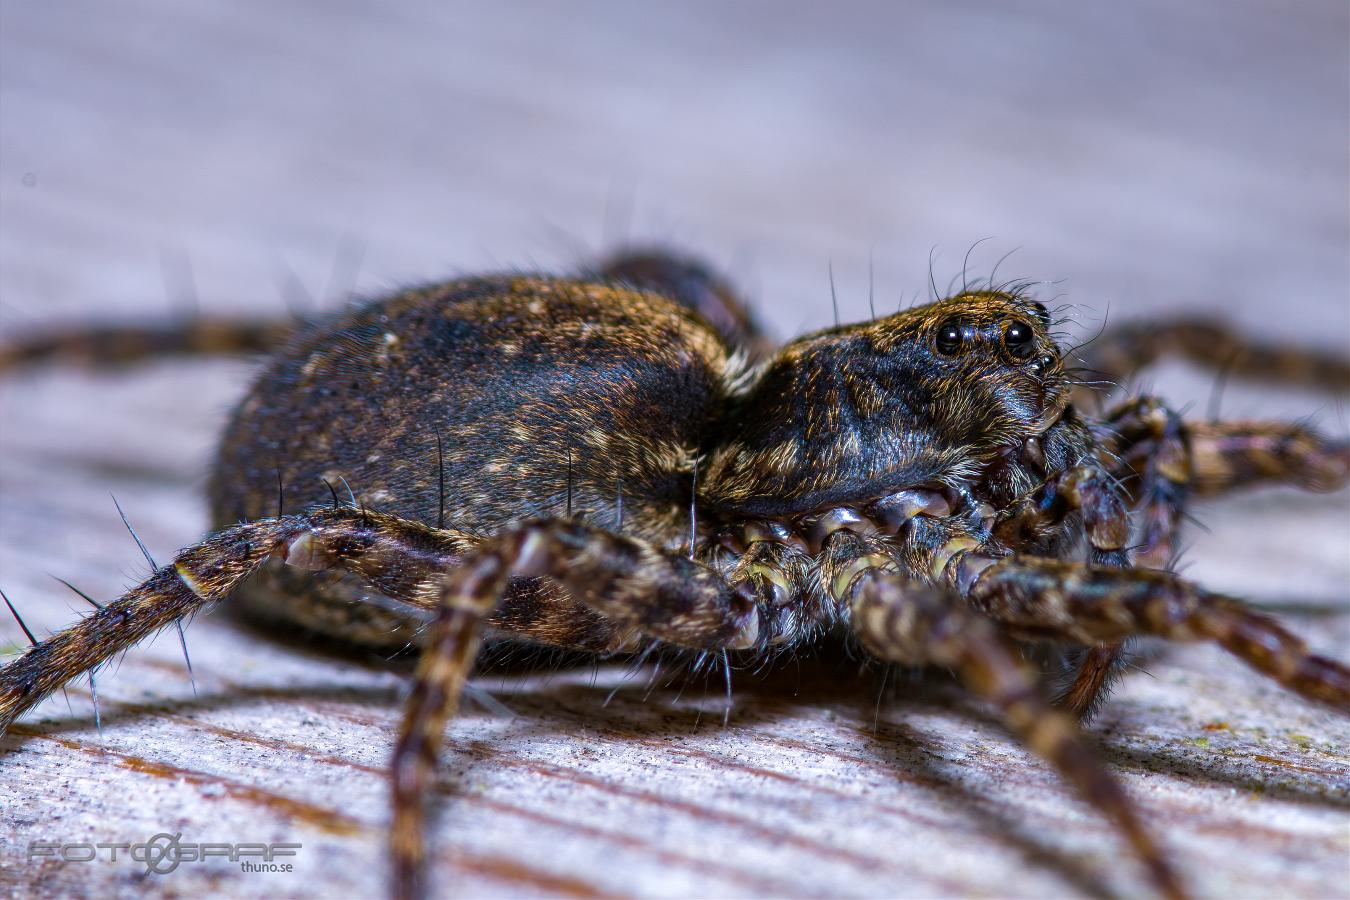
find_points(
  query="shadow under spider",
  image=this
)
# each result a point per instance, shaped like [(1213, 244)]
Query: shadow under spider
[(117, 712), (1188, 767), (662, 715), (897, 754), (1117, 751)]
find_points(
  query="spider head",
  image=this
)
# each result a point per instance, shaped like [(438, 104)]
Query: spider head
[(927, 396), (989, 371)]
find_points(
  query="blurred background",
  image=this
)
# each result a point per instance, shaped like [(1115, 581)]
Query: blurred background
[(1144, 155), (1141, 158)]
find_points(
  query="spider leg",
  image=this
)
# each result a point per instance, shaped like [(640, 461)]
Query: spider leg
[(1042, 598), (1151, 447), (1085, 489), (780, 575), (1228, 455), (1021, 525), (908, 621), (114, 345), (1039, 599), (1122, 350), (663, 595), (1165, 461), (403, 559)]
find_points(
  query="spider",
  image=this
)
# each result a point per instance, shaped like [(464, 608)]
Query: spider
[(621, 463)]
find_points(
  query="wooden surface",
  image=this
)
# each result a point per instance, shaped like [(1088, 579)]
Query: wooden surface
[(1157, 158)]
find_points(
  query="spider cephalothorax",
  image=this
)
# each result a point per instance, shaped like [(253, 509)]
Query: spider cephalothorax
[(943, 397), (588, 463)]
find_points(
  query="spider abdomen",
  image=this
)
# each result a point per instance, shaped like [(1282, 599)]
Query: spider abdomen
[(477, 404)]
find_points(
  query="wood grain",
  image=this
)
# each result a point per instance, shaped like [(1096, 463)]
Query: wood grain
[(1165, 158)]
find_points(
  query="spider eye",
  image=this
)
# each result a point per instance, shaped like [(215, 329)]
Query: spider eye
[(1020, 339), (1042, 313), (949, 337)]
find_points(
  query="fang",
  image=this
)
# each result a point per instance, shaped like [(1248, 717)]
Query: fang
[(892, 512), (816, 528)]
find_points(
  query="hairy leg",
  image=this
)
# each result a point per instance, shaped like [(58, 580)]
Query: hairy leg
[(1044, 599), (1165, 461), (1040, 599), (1230, 455), (1106, 524), (403, 559), (629, 582), (1150, 448), (906, 620), (113, 345), (1122, 350), (780, 575), (662, 595), (1084, 489)]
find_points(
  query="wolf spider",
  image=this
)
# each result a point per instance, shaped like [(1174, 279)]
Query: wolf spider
[(620, 462)]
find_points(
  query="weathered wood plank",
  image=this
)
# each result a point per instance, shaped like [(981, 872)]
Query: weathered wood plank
[(1164, 158)]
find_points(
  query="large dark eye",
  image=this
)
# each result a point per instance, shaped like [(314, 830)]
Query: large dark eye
[(949, 337), (1020, 339)]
